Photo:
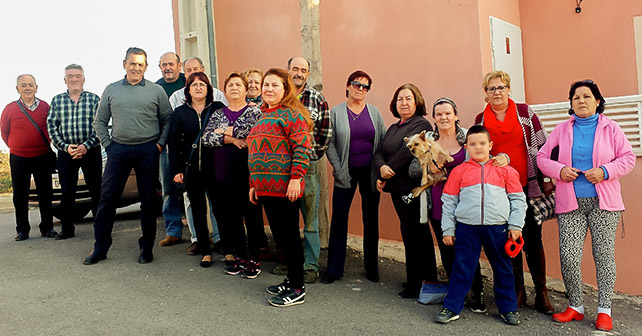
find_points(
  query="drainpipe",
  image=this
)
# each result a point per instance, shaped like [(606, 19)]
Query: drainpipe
[(212, 42)]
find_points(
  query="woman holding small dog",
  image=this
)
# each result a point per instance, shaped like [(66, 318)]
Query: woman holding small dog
[(451, 137), (516, 130), (358, 129), (391, 162), (593, 154)]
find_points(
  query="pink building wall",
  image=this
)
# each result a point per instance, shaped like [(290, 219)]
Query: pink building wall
[(444, 48)]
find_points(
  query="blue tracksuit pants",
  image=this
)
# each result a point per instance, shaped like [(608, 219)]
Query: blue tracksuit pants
[(469, 240)]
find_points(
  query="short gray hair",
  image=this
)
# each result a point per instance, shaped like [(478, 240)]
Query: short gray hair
[(74, 66), (200, 61), (30, 75), (135, 51)]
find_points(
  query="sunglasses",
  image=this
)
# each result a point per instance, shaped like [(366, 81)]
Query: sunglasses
[(359, 85)]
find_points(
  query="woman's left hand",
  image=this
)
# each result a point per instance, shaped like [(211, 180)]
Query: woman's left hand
[(594, 175), (294, 189), (500, 160)]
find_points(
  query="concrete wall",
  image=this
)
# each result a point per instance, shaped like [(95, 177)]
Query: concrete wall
[(561, 47)]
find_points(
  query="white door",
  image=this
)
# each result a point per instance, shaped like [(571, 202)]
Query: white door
[(506, 43)]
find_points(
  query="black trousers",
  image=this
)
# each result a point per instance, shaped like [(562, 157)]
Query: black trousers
[(448, 257), (21, 170), (196, 186), (421, 264), (256, 238), (283, 217), (230, 201), (121, 159), (92, 168), (341, 203)]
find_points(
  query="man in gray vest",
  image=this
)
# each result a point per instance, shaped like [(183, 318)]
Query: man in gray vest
[(140, 115)]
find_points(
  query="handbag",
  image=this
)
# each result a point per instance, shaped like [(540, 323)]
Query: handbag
[(51, 157), (432, 292), (543, 208)]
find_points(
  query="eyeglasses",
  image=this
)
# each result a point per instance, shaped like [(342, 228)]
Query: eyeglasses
[(359, 85), (196, 84), (492, 89)]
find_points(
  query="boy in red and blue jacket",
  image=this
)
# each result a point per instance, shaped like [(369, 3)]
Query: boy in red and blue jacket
[(485, 205)]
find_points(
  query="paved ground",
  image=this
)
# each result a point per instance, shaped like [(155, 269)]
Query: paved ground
[(45, 290)]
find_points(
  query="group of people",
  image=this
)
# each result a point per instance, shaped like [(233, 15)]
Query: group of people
[(257, 144)]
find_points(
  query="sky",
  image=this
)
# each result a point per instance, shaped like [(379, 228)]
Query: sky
[(42, 37)]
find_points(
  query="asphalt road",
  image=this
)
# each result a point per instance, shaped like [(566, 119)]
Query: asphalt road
[(45, 290)]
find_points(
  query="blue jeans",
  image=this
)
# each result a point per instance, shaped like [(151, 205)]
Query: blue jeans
[(469, 240), (190, 220), (121, 159), (171, 203), (310, 211)]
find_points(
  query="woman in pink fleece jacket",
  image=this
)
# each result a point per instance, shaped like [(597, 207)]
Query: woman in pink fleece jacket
[(593, 154)]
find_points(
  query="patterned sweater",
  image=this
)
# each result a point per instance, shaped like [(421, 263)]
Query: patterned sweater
[(279, 150)]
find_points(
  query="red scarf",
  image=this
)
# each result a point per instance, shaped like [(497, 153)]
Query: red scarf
[(507, 137)]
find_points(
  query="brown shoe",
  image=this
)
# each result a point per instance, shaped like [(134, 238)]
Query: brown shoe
[(193, 249), (169, 241)]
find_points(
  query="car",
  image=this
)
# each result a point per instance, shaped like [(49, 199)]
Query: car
[(83, 200)]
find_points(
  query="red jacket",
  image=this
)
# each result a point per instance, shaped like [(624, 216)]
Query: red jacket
[(18, 132)]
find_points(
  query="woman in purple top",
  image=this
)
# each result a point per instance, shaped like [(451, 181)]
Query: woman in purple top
[(226, 131), (450, 136), (358, 129)]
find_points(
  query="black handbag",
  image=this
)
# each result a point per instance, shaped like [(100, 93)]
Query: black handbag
[(51, 158)]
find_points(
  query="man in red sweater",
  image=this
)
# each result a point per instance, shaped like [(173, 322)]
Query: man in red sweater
[(28, 156)]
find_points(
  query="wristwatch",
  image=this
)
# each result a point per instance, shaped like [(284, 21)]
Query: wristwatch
[(547, 180)]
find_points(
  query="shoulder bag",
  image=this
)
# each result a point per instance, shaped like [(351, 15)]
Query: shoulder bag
[(51, 159)]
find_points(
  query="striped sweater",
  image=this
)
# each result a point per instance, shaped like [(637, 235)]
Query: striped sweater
[(279, 150)]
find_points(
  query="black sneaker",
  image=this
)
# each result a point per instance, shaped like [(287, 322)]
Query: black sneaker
[(477, 304), (252, 269), (445, 316), (233, 267), (280, 288), (511, 318), (289, 297)]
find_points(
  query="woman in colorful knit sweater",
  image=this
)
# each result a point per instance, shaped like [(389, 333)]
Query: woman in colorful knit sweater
[(279, 154)]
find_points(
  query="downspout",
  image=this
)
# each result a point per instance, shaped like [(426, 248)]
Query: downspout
[(212, 42)]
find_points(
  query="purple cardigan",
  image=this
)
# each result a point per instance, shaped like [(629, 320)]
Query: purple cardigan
[(611, 150)]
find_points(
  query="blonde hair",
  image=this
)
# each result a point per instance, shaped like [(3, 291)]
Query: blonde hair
[(251, 71), (505, 78)]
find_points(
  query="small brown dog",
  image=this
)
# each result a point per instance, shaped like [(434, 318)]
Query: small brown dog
[(432, 158)]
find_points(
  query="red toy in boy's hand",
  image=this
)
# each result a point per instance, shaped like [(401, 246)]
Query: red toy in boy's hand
[(513, 247)]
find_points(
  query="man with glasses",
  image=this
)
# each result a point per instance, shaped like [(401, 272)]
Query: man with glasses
[(140, 115)]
